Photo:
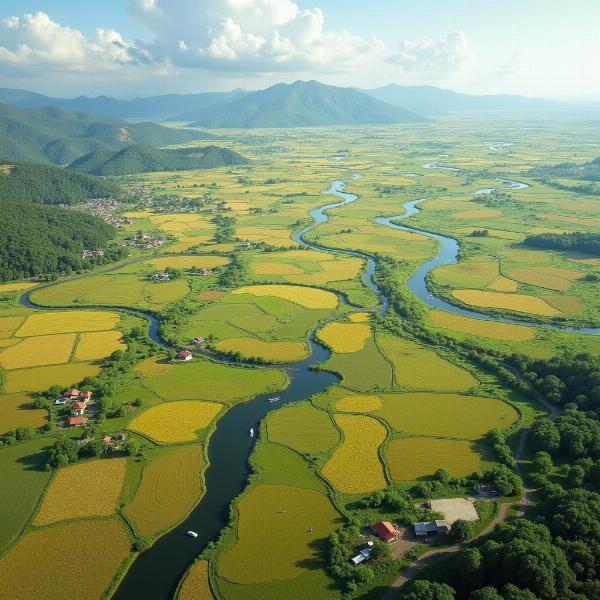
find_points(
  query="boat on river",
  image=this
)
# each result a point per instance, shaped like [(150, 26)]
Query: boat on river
[(251, 431)]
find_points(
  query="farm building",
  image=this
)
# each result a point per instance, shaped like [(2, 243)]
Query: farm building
[(364, 554), (431, 528), (86, 396), (72, 393), (385, 531), (78, 408), (198, 341), (77, 421), (184, 356)]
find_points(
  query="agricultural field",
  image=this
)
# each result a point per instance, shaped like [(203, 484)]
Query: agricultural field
[(90, 489), (171, 485), (344, 338), (304, 296), (16, 410), (195, 586), (175, 422)]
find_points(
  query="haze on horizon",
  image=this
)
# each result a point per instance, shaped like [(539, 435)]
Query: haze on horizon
[(128, 48)]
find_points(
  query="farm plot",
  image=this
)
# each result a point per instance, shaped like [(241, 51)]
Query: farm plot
[(503, 284), (28, 573), (96, 345), (16, 410), (38, 351), (359, 317), (354, 467), (478, 272), (522, 303), (304, 296), (414, 457), (195, 585), (36, 379), (303, 428), (206, 380), (345, 337), (88, 489), (447, 415), (489, 329), (68, 321), (359, 404), (552, 278), (171, 485), (269, 351), (16, 286), (262, 553), (8, 325), (174, 422), (417, 367)]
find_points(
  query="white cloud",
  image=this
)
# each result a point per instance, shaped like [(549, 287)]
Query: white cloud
[(433, 58), (250, 35), (35, 40)]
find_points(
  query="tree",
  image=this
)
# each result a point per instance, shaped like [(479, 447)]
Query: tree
[(24, 433), (380, 550), (93, 448), (461, 530), (486, 593), (63, 452), (429, 590), (545, 436), (542, 462), (134, 447)]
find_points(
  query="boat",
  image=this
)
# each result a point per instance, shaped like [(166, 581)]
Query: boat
[(251, 431), (192, 534), (274, 399)]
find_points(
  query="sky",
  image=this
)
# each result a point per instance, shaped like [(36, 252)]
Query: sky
[(126, 48)]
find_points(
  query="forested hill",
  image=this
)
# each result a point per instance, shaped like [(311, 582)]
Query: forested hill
[(40, 240), (301, 104), (54, 135), (143, 159), (41, 184)]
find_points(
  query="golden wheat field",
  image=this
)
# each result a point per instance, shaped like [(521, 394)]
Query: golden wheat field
[(171, 485), (38, 351), (96, 345), (345, 337), (174, 422), (29, 570), (37, 379), (195, 585), (88, 489), (497, 331), (414, 457), (358, 404), (68, 321), (354, 467), (516, 302), (279, 351), (304, 296)]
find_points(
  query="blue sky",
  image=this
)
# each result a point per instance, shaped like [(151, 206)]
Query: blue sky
[(549, 48)]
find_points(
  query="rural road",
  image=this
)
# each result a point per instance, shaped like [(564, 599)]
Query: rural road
[(438, 554)]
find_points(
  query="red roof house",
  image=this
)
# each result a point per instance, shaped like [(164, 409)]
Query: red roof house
[(385, 531), (76, 421), (72, 393), (86, 395), (184, 355)]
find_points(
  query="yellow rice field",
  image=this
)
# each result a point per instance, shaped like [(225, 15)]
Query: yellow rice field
[(96, 345), (210, 295), (188, 262), (17, 286), (87, 489), (354, 467), (568, 305), (174, 422), (171, 485), (515, 302), (345, 337), (37, 379), (411, 458), (38, 351), (279, 351), (195, 585), (16, 410), (8, 325), (546, 277), (304, 296), (275, 268), (503, 284), (489, 329), (358, 404), (29, 570), (68, 321), (359, 317)]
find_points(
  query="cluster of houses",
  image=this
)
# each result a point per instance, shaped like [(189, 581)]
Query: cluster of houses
[(185, 355), (79, 402), (92, 253), (105, 209), (144, 241), (386, 532), (162, 276)]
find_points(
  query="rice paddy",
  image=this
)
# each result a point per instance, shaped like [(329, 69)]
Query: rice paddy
[(304, 296), (522, 303), (415, 457), (489, 329), (345, 337), (174, 422), (70, 321), (269, 351), (358, 404), (98, 344), (41, 378), (8, 325), (419, 368), (546, 277), (104, 540), (88, 489), (445, 415), (359, 317), (38, 351), (195, 585), (303, 428), (262, 552), (171, 485), (16, 410), (355, 467)]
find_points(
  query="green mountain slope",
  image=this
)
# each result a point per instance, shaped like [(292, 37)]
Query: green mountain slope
[(41, 184), (59, 136), (144, 159), (302, 104)]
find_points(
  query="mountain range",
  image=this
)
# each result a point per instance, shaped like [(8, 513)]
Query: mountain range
[(59, 136)]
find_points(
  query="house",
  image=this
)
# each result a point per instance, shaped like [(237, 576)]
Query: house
[(385, 531), (364, 554), (77, 421), (198, 341), (160, 277), (184, 356), (78, 408), (107, 439), (122, 436), (72, 394), (431, 528), (86, 396)]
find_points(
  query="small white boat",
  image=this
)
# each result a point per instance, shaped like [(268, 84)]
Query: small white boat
[(192, 534), (274, 399), (251, 431)]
